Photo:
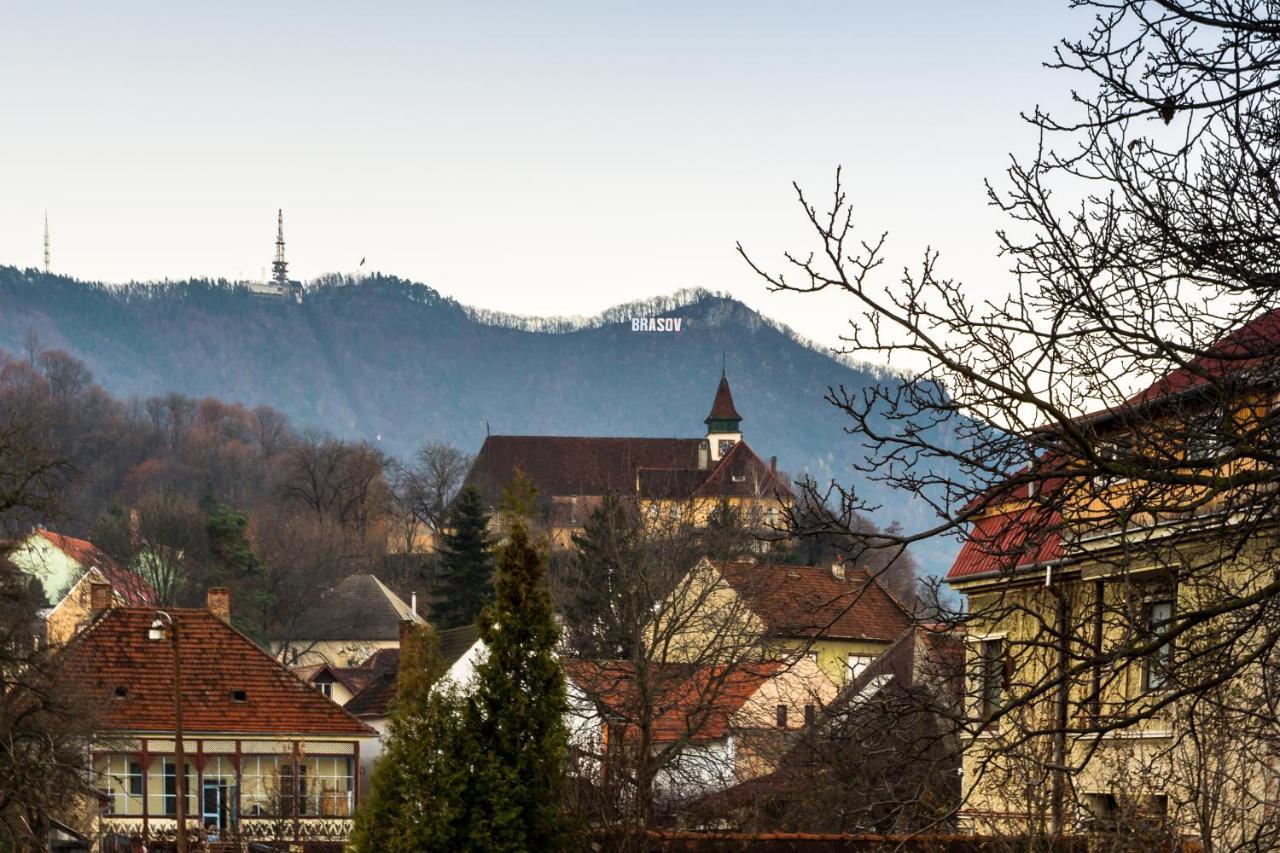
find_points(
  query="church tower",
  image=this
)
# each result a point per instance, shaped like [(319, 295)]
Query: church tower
[(724, 424)]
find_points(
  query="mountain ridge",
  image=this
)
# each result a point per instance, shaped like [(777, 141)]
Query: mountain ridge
[(398, 363)]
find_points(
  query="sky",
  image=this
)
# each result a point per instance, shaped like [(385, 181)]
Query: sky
[(546, 159)]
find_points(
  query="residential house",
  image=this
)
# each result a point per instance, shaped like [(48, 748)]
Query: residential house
[(840, 617), (345, 625), (75, 611), (680, 478), (59, 561), (372, 703), (882, 756), (1073, 573), (712, 726), (266, 756)]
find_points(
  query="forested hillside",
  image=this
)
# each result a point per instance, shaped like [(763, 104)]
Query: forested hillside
[(397, 364)]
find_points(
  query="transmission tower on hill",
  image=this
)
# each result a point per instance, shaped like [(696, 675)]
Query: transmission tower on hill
[(280, 267)]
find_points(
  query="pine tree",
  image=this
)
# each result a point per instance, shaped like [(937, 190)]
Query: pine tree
[(466, 563), (417, 801), (515, 715), (599, 613)]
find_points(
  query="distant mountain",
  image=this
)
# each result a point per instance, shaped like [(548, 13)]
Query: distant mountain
[(395, 362)]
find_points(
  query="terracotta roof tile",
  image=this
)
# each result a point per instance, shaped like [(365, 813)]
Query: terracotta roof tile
[(129, 587), (810, 601), (1009, 541), (696, 703), (216, 660)]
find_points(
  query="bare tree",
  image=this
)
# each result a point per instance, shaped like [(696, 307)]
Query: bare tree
[(1109, 427)]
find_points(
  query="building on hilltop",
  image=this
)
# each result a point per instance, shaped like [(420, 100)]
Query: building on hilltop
[(667, 477)]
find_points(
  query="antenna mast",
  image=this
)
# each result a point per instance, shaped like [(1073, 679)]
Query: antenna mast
[(279, 268)]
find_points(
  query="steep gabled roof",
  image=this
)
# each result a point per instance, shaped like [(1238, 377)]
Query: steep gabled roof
[(742, 474), (810, 601), (1005, 542), (695, 703), (129, 587), (375, 699), (573, 465), (361, 607), (722, 408), (115, 652)]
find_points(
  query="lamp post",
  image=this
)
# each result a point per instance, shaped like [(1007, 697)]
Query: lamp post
[(179, 754)]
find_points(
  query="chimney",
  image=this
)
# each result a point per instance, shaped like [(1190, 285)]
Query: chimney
[(704, 454), (413, 602), (219, 602), (773, 465), (837, 569), (101, 597)]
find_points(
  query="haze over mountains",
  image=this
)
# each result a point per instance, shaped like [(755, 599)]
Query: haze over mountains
[(396, 363)]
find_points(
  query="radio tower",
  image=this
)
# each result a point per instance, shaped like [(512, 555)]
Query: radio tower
[(279, 267), (46, 242)]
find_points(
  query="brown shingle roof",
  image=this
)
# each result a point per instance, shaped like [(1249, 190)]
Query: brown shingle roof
[(809, 601), (722, 408), (361, 607), (216, 660), (375, 699)]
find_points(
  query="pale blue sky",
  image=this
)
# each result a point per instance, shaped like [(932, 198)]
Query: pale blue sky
[(544, 158)]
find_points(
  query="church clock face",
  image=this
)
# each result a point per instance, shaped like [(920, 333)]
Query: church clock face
[(726, 444)]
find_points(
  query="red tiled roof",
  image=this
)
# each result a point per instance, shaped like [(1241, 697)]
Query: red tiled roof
[(659, 468), (216, 660), (694, 703), (1254, 343), (129, 586), (810, 601), (1009, 541), (722, 408)]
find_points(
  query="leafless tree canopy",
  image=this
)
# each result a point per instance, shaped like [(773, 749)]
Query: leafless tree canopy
[(1125, 386)]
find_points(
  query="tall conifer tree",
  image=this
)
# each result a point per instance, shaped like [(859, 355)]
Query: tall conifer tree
[(515, 714), (418, 798), (466, 564), (600, 611)]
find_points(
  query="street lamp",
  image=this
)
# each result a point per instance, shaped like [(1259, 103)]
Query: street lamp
[(179, 754)]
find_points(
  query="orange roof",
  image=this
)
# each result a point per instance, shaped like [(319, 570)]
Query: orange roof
[(216, 660), (130, 587), (694, 703), (810, 601)]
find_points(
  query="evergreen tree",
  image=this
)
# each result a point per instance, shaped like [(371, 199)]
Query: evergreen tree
[(600, 610), (417, 801), (515, 714), (466, 563)]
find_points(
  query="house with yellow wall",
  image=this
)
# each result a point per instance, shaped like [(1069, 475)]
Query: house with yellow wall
[(1090, 704), (839, 617)]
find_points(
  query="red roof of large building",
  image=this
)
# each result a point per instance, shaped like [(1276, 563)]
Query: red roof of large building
[(114, 653), (810, 601), (129, 586), (693, 703)]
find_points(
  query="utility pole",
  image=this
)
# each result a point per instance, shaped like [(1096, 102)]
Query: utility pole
[(179, 753)]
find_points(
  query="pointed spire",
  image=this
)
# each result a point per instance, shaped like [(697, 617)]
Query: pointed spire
[(722, 409)]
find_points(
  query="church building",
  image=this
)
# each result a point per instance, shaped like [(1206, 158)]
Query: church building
[(683, 478)]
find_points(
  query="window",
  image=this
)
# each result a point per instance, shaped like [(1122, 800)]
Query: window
[(121, 778), (239, 696), (331, 786), (991, 676), (162, 787), (260, 784), (1155, 669), (810, 714), (857, 663), (325, 688), (218, 794), (782, 716)]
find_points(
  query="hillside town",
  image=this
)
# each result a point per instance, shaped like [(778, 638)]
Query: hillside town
[(973, 549)]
